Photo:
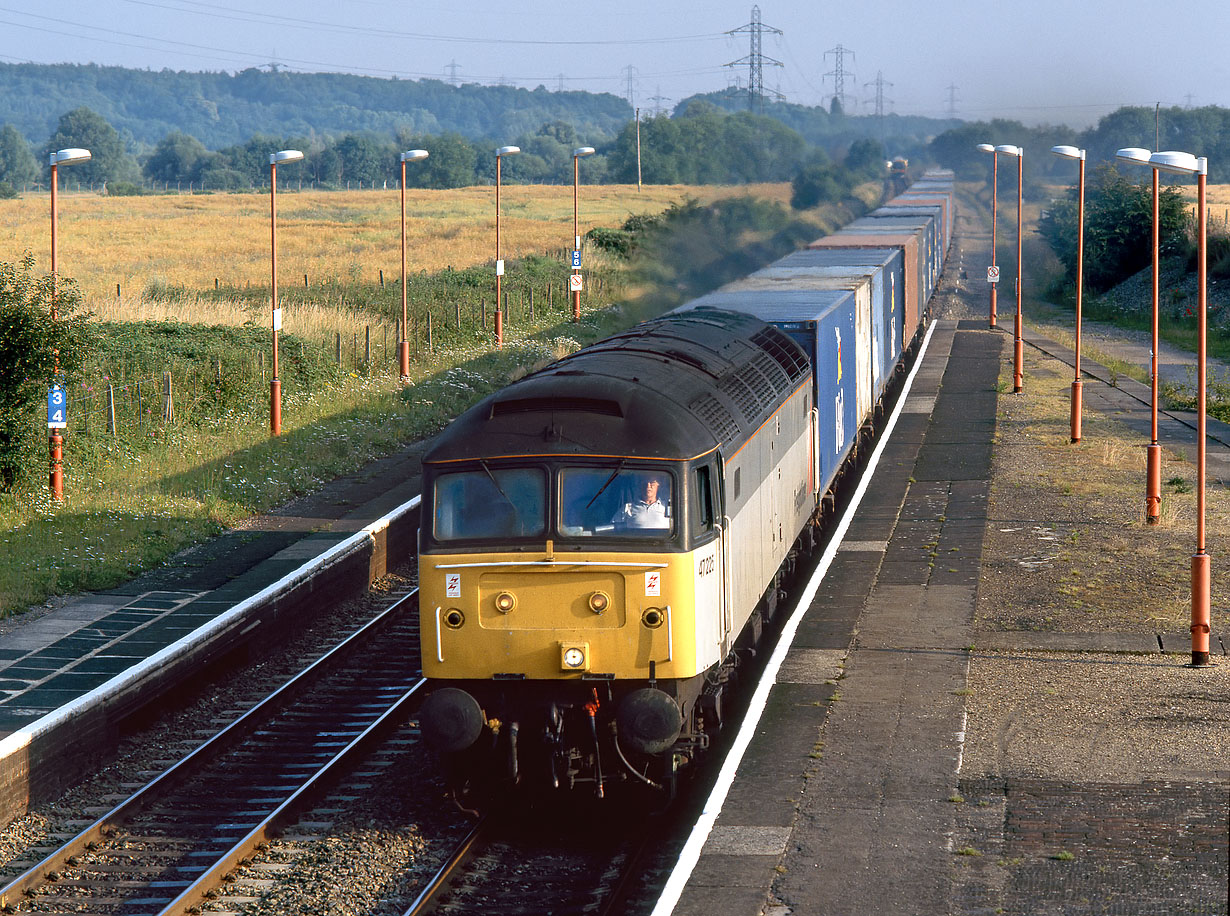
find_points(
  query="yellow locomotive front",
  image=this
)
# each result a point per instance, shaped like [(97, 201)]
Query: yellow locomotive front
[(562, 571)]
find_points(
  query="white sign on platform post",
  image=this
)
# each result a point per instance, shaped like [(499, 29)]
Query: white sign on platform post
[(57, 408), (574, 283), (992, 274)]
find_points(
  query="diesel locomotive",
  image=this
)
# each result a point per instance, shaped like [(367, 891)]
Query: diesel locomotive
[(601, 539)]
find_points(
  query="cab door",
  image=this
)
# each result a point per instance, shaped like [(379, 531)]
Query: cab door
[(710, 546)]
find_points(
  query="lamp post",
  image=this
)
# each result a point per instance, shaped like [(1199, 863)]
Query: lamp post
[(499, 264), (994, 283), (1071, 152), (1018, 358), (576, 229), (55, 443), (1202, 565), (1153, 453), (403, 348), (275, 384)]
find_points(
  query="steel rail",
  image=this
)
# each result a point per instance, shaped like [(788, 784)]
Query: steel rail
[(48, 868), (289, 810), (460, 856)]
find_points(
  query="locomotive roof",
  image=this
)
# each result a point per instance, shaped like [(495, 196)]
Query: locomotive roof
[(674, 387)]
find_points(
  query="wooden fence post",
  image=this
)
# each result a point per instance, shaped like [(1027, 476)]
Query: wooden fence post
[(111, 409), (338, 348), (168, 404), (367, 344)]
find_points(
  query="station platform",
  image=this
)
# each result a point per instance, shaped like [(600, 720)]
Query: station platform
[(913, 759)]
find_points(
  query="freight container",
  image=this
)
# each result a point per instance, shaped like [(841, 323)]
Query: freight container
[(864, 353), (914, 302), (823, 324), (888, 294), (940, 199)]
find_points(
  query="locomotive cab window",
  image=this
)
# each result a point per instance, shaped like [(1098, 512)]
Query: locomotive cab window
[(490, 503), (616, 502)]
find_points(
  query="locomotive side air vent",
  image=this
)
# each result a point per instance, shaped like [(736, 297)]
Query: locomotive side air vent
[(738, 390), (766, 379), (715, 416), (777, 345), (532, 405)]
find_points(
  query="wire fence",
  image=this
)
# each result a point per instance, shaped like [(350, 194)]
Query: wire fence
[(108, 400)]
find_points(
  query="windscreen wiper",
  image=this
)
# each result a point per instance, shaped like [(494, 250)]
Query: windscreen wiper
[(602, 489), (496, 483)]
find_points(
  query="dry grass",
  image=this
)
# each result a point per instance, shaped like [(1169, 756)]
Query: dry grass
[(192, 240), (1067, 546)]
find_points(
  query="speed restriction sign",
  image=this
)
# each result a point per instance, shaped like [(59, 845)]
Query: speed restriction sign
[(993, 274), (574, 283)]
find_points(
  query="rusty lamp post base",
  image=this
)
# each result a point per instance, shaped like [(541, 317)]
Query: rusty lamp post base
[(275, 406), (1202, 577), (1153, 483), (1076, 411), (55, 445)]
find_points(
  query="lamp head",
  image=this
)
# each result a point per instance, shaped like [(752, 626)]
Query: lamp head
[(1134, 154), (1178, 162), (285, 155), (414, 155), (1068, 152), (583, 151), (985, 148), (1009, 150), (507, 151), (70, 156)]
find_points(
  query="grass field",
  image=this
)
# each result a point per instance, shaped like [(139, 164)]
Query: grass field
[(193, 240)]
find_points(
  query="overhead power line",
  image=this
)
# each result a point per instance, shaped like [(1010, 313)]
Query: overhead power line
[(239, 15)]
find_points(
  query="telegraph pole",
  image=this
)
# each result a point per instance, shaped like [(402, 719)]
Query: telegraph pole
[(755, 60)]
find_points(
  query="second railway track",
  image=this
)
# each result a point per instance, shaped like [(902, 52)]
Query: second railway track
[(173, 842)]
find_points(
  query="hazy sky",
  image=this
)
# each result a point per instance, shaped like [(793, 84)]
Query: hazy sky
[(1055, 61)]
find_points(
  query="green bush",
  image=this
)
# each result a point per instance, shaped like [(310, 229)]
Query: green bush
[(1118, 228), (35, 350), (124, 189)]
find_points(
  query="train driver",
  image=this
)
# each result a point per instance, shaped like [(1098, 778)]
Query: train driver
[(645, 509)]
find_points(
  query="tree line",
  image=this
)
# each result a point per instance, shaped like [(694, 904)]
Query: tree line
[(224, 109), (702, 144), (1200, 131)]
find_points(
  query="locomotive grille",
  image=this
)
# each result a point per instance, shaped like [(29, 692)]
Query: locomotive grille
[(774, 343), (715, 416), (737, 389)]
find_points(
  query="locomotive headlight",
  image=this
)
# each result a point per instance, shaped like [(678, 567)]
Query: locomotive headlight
[(505, 602), (453, 618), (599, 602), (653, 617), (574, 656)]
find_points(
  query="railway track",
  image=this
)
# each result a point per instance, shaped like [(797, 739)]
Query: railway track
[(567, 860), (172, 843)]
